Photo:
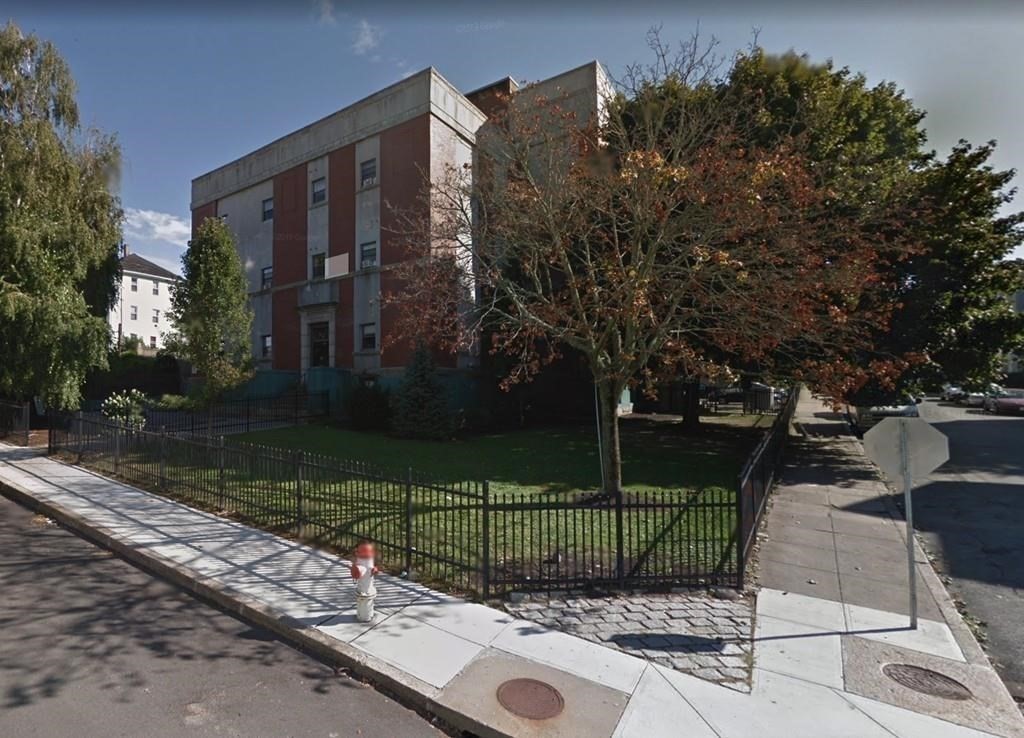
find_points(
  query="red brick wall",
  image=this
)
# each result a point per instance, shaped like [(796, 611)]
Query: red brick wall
[(344, 329), (285, 321), (290, 231), (493, 100), (201, 213), (404, 157), (341, 237), (290, 213)]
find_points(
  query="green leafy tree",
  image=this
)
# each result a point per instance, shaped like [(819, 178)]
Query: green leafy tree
[(60, 225), (950, 316), (420, 407), (211, 310), (955, 307)]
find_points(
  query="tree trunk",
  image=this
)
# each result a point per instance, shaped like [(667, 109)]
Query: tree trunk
[(691, 410), (611, 456)]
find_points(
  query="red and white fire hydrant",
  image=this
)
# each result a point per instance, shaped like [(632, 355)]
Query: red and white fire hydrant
[(363, 571)]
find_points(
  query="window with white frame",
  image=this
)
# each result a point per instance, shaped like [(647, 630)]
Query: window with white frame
[(266, 278), (135, 284), (156, 287), (152, 341), (319, 193), (156, 316), (268, 209), (367, 254), (368, 337), (368, 173), (133, 312), (266, 346)]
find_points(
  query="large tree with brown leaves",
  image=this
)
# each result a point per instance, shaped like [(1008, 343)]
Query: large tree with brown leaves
[(652, 241)]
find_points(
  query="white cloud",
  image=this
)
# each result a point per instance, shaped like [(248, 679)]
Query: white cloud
[(367, 37), (151, 225), (324, 12)]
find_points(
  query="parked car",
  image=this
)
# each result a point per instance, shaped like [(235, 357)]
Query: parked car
[(973, 399), (1006, 401), (951, 392), (904, 406), (976, 398)]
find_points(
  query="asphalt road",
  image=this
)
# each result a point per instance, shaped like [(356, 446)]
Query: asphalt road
[(91, 646), (970, 515)]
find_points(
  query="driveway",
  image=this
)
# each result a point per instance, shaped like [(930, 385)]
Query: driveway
[(970, 515), (94, 647)]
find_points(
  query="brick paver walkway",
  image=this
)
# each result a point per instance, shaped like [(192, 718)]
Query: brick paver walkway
[(690, 632)]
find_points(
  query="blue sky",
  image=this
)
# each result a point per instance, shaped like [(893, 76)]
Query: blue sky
[(187, 89)]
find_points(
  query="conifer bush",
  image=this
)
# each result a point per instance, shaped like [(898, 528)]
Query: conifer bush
[(420, 407)]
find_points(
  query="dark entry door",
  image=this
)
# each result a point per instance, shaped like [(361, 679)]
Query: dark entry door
[(319, 345)]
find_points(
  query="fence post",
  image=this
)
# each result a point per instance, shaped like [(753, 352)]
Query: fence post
[(26, 412), (78, 433), (221, 502), (117, 446), (486, 534), (408, 523), (741, 563), (163, 458), (298, 493), (620, 558)]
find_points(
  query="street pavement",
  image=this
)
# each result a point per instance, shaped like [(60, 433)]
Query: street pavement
[(92, 646), (970, 515)]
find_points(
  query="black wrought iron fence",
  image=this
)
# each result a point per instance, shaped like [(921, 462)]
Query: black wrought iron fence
[(431, 530), (755, 482), (647, 538), (241, 416), (460, 534), (15, 419)]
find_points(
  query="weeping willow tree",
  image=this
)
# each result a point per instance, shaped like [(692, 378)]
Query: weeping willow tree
[(60, 226)]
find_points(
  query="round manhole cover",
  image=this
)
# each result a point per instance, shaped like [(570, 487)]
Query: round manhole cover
[(531, 699), (927, 681)]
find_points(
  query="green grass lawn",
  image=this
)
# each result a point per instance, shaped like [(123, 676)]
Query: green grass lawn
[(550, 461)]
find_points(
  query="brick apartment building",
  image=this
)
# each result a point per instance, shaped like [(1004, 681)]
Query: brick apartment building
[(312, 212)]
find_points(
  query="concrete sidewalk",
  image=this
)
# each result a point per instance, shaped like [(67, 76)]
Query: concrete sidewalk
[(448, 656), (834, 541)]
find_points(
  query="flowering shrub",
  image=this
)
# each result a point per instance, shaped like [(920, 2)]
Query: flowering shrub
[(126, 408)]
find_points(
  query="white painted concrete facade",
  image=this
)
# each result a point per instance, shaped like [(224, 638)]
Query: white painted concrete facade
[(424, 92), (242, 211), (142, 309)]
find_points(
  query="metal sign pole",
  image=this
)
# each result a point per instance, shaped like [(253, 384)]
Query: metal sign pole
[(909, 515)]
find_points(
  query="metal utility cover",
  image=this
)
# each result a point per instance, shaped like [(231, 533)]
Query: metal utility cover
[(927, 448), (531, 699)]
